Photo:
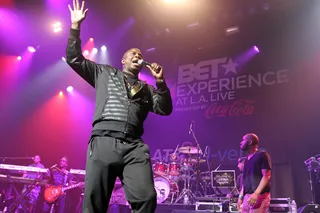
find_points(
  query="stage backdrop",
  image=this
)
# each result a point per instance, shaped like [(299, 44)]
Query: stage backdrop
[(226, 95), (223, 92)]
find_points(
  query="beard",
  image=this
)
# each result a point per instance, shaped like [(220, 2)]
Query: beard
[(245, 147)]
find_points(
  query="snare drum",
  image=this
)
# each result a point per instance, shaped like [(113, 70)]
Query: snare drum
[(174, 169), (160, 168)]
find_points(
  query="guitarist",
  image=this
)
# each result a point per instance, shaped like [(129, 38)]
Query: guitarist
[(59, 176)]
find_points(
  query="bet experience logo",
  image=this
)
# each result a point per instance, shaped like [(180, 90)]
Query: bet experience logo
[(211, 86)]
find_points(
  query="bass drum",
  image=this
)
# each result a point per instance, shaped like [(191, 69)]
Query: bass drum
[(166, 190)]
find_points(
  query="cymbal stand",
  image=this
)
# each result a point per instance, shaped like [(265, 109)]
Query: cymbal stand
[(312, 164), (186, 189), (198, 160)]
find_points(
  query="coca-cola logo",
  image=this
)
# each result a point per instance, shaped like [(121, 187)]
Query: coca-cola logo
[(236, 108)]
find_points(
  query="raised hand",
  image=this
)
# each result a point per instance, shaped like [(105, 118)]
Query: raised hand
[(77, 14)]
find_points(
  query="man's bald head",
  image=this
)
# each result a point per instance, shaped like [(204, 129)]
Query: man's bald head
[(249, 141), (130, 51), (252, 137)]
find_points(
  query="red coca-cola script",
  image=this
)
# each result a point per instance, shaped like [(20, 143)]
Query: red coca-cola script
[(236, 108)]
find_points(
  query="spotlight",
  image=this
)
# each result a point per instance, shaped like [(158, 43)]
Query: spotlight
[(86, 52), (256, 49), (60, 93), (31, 49), (103, 48), (63, 58), (19, 58), (94, 50), (151, 49), (232, 30), (70, 89), (91, 39), (57, 27)]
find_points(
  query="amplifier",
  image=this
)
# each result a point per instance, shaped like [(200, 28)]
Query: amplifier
[(280, 205)]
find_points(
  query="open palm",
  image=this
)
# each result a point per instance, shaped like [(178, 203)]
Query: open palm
[(77, 14)]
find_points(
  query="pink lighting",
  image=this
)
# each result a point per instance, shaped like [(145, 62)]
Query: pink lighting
[(19, 58), (91, 39)]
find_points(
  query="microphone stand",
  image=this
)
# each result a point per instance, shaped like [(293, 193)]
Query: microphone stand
[(198, 161), (12, 187)]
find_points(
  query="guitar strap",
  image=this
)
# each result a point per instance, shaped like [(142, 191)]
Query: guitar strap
[(65, 178)]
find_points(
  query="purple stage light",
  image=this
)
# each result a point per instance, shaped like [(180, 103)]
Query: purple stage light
[(94, 50), (151, 49), (103, 48), (19, 58), (256, 49), (31, 49), (57, 27)]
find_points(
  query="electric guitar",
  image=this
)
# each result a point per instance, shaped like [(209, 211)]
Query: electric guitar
[(52, 193)]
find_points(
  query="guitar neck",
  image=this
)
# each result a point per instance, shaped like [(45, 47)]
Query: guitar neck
[(72, 186)]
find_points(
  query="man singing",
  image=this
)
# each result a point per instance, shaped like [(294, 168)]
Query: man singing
[(255, 193), (122, 104), (59, 176)]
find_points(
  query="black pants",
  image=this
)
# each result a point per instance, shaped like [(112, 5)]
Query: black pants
[(108, 158)]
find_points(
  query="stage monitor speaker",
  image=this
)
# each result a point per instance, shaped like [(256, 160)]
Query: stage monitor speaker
[(309, 208)]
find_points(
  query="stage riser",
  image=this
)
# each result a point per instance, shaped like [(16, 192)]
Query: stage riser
[(160, 209)]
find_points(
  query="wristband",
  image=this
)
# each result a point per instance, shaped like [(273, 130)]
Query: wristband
[(160, 80)]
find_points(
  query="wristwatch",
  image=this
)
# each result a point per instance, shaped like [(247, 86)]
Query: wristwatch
[(161, 80)]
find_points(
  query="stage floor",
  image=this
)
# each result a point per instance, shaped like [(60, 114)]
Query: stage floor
[(161, 208)]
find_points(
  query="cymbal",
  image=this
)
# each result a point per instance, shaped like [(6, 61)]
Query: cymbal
[(189, 150), (194, 160)]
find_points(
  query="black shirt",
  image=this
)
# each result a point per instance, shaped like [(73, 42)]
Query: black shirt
[(239, 181), (252, 173), (130, 81), (60, 178)]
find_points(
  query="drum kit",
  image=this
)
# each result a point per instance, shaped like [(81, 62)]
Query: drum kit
[(182, 166)]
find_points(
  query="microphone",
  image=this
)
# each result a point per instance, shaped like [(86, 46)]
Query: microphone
[(190, 128), (205, 152), (143, 63), (53, 166)]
